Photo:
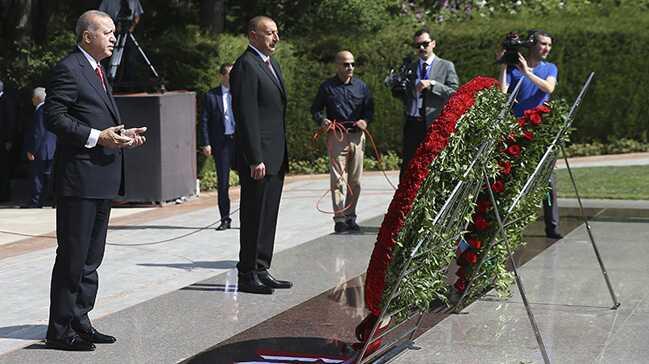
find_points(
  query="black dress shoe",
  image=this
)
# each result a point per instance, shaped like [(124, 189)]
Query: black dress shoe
[(250, 283), (553, 235), (96, 337), (353, 226), (72, 343), (223, 226), (340, 227), (270, 281)]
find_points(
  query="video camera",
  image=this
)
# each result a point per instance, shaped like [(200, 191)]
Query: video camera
[(512, 44), (399, 80)]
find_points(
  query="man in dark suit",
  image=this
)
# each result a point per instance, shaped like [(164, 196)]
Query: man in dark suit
[(259, 104), (89, 171), (217, 125), (432, 82), (40, 145), (7, 128)]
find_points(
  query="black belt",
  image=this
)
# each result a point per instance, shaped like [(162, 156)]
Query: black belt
[(229, 136), (415, 118)]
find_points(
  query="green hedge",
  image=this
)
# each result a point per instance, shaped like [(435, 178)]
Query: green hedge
[(612, 43)]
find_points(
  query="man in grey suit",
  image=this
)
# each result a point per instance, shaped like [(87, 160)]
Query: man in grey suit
[(259, 105), (432, 80)]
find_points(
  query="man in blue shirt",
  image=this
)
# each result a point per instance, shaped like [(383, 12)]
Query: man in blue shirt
[(539, 81), (346, 101)]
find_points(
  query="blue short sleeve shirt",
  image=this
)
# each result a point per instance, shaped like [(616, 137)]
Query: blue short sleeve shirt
[(530, 96)]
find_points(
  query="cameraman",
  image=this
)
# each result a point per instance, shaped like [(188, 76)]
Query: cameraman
[(539, 81), (123, 12), (431, 81)]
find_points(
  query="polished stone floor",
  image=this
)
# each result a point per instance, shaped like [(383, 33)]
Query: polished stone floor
[(207, 321)]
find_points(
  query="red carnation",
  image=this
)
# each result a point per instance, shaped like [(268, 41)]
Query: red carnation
[(535, 118), (521, 122), (480, 223), (470, 257), (505, 167), (528, 135), (498, 186), (460, 285), (475, 243), (514, 150), (484, 205), (544, 109)]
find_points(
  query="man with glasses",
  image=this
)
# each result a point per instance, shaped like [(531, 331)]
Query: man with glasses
[(432, 81), (344, 107)]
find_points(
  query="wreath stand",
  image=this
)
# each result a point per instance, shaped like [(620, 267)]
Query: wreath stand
[(448, 225)]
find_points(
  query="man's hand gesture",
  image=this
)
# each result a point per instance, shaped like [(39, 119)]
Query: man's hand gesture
[(136, 136), (111, 138)]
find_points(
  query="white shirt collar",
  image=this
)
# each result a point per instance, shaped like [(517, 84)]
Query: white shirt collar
[(225, 89), (92, 61), (263, 56), (39, 105), (428, 61)]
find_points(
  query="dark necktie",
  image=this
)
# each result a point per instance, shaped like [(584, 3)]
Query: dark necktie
[(424, 72), (100, 75), (423, 76)]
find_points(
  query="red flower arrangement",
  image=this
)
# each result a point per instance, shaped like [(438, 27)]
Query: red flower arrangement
[(482, 220), (498, 186), (528, 135), (415, 173), (505, 167), (514, 150)]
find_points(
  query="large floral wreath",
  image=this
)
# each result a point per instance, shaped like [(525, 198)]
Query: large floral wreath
[(466, 120)]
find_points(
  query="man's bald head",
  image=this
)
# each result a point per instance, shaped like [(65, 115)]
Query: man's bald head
[(342, 55), (344, 65)]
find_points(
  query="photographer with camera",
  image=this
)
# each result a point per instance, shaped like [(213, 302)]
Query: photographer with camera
[(125, 13), (539, 81), (424, 87)]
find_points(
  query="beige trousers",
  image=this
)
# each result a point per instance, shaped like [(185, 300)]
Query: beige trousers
[(346, 164)]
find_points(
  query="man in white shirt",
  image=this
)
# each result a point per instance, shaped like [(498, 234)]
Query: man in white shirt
[(217, 138)]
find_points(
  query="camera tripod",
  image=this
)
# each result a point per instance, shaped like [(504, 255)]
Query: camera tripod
[(118, 56)]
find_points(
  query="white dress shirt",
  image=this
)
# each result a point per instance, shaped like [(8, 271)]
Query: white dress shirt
[(228, 116)]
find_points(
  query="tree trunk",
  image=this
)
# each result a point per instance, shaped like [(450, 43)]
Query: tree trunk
[(212, 16)]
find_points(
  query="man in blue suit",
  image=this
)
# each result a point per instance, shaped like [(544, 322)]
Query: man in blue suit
[(217, 139), (40, 145)]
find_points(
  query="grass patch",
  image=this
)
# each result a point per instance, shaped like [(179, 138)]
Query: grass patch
[(621, 183)]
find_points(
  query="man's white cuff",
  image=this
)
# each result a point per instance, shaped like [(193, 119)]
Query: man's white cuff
[(92, 138)]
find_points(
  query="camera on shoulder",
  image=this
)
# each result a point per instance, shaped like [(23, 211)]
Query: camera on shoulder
[(512, 44)]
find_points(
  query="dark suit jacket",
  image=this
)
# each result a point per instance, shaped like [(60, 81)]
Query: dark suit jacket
[(259, 106), (212, 129), (435, 97), (38, 140), (75, 103)]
